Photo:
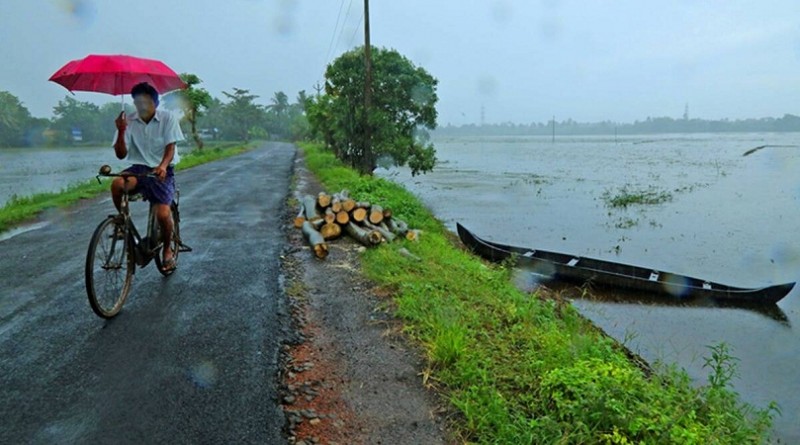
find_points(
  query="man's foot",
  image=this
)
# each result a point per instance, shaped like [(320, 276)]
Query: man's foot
[(170, 264), (169, 261)]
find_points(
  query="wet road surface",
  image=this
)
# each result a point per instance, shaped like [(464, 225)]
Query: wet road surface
[(190, 359)]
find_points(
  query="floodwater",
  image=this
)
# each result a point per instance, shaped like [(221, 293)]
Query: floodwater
[(26, 171), (725, 217)]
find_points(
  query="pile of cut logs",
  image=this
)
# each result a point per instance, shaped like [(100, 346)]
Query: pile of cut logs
[(327, 217)]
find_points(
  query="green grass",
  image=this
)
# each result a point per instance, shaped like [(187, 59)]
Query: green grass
[(20, 209), (525, 369), (625, 197)]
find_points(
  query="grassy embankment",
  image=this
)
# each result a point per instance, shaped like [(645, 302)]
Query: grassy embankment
[(19, 209), (523, 368)]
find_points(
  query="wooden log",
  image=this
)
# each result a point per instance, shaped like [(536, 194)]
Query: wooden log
[(331, 231), (336, 204), (359, 214), (348, 204), (397, 226), (387, 213), (366, 237), (315, 240), (413, 235), (385, 233), (342, 218), (330, 216), (376, 214), (310, 206), (300, 218), (324, 200)]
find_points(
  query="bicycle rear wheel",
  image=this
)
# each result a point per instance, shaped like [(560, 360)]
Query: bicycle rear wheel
[(109, 268), (174, 243)]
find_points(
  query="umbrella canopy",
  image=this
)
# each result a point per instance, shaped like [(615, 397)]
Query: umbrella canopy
[(116, 74)]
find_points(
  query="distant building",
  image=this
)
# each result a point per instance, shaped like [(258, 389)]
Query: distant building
[(77, 135)]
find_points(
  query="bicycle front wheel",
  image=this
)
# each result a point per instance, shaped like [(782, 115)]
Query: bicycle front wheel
[(109, 268)]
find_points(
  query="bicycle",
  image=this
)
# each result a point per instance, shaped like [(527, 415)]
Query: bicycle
[(116, 248)]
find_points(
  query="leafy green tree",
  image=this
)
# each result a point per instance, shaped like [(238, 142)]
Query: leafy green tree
[(402, 110), (14, 120), (213, 117), (195, 101), (241, 114), (72, 114)]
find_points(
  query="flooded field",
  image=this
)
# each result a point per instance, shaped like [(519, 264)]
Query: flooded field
[(26, 171), (716, 215)]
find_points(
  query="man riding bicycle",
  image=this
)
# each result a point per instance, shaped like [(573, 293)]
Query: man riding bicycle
[(148, 140)]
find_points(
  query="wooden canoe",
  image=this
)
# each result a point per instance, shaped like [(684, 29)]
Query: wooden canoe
[(580, 270)]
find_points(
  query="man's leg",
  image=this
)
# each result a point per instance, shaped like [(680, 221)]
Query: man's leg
[(164, 216), (117, 186)]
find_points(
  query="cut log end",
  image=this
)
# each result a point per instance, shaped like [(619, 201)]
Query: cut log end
[(331, 231), (321, 251), (342, 218), (359, 214), (376, 214), (413, 235), (324, 199)]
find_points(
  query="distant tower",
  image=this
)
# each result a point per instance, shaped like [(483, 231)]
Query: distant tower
[(483, 115), (686, 112)]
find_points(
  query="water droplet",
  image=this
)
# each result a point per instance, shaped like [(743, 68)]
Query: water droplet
[(203, 374)]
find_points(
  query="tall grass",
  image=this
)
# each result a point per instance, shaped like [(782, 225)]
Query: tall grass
[(523, 368)]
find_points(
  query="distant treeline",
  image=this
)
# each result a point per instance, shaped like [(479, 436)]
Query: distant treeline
[(656, 125), (76, 122)]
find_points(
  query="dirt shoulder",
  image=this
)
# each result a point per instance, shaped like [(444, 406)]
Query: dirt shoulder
[(349, 376)]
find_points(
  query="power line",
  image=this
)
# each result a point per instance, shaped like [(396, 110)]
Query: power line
[(336, 37), (335, 28), (358, 28)]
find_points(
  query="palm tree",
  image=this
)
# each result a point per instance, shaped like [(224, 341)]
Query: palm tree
[(280, 103)]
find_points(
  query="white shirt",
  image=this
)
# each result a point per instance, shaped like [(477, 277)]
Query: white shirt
[(146, 141)]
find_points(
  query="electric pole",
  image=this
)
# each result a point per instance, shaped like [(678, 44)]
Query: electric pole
[(367, 91)]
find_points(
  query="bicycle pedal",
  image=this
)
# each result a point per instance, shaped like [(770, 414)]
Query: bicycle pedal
[(184, 248)]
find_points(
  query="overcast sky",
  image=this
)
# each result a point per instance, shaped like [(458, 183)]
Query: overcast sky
[(522, 61)]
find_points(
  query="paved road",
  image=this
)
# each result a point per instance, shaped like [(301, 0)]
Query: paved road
[(190, 359)]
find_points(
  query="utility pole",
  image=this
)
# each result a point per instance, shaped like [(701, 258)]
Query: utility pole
[(318, 87), (554, 128), (367, 91)]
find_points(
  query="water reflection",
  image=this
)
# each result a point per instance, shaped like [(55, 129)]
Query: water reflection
[(530, 281)]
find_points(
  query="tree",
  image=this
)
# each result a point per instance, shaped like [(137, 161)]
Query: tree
[(242, 114), (280, 103), (402, 110), (213, 117), (195, 100), (14, 120), (71, 114)]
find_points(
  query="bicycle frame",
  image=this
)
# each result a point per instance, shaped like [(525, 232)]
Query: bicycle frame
[(142, 252)]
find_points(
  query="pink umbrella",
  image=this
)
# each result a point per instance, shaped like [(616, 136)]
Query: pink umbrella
[(116, 74)]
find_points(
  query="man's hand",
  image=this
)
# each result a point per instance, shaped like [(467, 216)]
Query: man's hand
[(121, 122), (160, 172)]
